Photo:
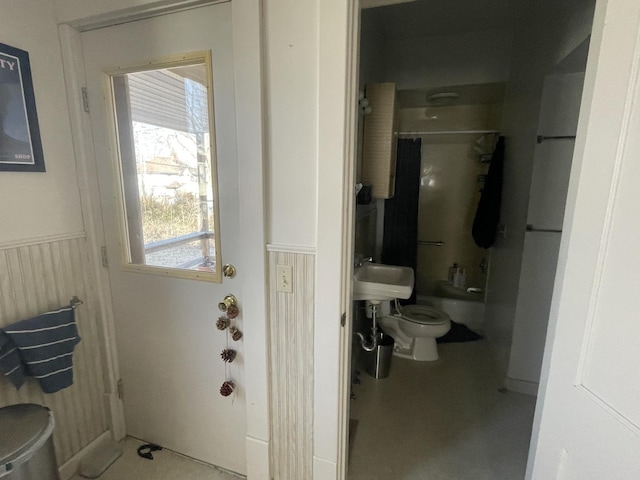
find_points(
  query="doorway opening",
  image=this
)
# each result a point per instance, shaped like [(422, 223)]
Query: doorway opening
[(460, 103)]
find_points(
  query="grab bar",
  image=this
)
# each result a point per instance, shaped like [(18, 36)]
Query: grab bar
[(531, 228), (432, 244), (542, 138)]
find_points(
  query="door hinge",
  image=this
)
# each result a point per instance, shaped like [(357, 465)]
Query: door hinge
[(343, 319), (105, 259), (85, 99), (120, 388)]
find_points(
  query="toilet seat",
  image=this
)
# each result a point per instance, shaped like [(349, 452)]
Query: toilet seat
[(424, 315)]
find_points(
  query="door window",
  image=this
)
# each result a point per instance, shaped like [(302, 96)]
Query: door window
[(167, 172)]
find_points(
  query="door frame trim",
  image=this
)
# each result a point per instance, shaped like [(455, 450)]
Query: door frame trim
[(328, 79), (73, 67), (337, 126), (132, 14), (249, 74)]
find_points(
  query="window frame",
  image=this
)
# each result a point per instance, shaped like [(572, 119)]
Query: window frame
[(200, 57)]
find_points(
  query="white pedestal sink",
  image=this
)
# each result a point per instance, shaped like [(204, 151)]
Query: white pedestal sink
[(378, 283)]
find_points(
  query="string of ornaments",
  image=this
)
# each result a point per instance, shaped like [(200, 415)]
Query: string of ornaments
[(228, 355)]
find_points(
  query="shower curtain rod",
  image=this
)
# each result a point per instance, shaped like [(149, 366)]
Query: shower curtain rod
[(451, 132)]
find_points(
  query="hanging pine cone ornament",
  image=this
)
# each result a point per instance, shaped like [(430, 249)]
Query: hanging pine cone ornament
[(232, 311), (235, 334), (227, 388), (222, 323), (228, 355)]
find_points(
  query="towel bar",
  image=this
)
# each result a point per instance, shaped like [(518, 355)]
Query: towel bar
[(542, 138), (75, 302), (432, 244)]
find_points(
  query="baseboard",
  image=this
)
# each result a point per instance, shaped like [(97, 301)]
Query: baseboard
[(521, 386), (258, 459), (324, 469), (71, 466)]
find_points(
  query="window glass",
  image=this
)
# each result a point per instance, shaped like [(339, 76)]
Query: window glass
[(167, 169)]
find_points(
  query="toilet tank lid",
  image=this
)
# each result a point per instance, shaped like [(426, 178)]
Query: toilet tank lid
[(25, 427), (424, 315)]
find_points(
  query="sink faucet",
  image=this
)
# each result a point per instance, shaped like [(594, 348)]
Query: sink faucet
[(360, 260)]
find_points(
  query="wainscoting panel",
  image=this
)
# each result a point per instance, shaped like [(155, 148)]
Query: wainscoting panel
[(39, 277), (291, 359)]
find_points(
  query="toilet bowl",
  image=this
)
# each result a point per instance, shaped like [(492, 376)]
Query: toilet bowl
[(414, 329)]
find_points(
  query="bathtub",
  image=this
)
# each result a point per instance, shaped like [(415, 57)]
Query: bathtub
[(462, 307)]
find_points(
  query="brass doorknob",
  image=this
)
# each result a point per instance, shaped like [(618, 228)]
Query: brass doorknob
[(228, 301)]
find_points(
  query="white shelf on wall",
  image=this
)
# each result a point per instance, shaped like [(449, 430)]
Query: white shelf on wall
[(379, 145)]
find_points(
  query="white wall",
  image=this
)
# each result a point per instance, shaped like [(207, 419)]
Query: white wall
[(291, 50), (447, 60), (41, 204), (548, 32), (435, 61)]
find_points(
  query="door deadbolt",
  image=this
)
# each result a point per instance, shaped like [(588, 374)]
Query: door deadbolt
[(229, 271)]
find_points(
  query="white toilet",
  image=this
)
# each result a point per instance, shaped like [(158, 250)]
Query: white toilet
[(414, 329)]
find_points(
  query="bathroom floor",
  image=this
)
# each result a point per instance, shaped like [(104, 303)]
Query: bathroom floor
[(166, 465), (442, 420)]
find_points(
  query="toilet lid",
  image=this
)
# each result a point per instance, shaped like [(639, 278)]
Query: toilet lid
[(424, 315)]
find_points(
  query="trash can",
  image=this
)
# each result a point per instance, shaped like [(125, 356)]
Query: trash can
[(26, 443), (379, 361)]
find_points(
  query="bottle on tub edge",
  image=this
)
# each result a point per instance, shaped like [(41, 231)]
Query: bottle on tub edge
[(459, 277), (452, 272)]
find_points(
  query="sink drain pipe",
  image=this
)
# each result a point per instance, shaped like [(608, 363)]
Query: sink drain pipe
[(369, 345)]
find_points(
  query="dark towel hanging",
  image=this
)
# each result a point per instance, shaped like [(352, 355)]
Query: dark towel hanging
[(487, 217)]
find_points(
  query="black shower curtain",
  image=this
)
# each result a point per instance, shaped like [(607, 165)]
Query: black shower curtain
[(400, 240)]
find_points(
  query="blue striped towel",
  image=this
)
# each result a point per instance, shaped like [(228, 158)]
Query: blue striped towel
[(10, 362), (45, 344)]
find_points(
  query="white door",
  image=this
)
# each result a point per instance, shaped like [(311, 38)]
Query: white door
[(587, 423), (168, 344)]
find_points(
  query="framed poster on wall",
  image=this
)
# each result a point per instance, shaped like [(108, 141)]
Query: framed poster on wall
[(20, 146)]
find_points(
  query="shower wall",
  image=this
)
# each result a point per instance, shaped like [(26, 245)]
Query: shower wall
[(450, 184)]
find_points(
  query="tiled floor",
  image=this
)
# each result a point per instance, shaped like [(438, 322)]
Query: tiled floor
[(443, 420), (165, 465)]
